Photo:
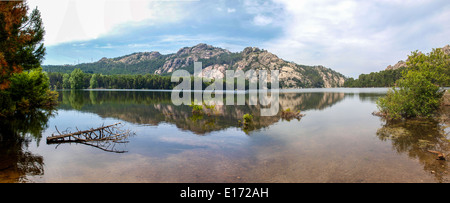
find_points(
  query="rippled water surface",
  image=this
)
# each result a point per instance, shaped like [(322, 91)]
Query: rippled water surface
[(338, 140)]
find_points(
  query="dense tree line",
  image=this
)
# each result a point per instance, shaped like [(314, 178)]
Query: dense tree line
[(111, 68), (80, 80), (385, 78)]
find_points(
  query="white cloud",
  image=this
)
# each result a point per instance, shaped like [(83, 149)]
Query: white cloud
[(261, 20), (350, 36), (231, 10), (264, 12), (355, 37), (75, 20)]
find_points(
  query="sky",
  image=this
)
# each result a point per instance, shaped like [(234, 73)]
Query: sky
[(349, 36)]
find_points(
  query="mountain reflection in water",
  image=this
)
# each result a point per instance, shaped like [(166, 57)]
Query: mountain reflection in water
[(152, 108), (338, 140)]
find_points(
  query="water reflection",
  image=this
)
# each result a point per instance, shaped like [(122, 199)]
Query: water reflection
[(329, 144), (16, 133), (152, 108), (417, 138)]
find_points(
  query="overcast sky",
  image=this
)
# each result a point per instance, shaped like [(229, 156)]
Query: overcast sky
[(349, 36)]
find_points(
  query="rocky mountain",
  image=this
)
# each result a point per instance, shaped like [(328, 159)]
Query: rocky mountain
[(186, 57), (215, 62), (398, 65), (133, 58), (401, 64)]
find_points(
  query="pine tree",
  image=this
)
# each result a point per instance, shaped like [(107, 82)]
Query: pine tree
[(20, 40)]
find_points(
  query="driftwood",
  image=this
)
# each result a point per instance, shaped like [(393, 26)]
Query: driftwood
[(440, 155), (104, 137)]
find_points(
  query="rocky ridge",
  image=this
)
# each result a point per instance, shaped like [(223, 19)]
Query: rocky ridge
[(401, 64), (215, 62)]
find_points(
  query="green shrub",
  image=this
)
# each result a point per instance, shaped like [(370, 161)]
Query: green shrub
[(416, 97), (417, 93), (27, 91)]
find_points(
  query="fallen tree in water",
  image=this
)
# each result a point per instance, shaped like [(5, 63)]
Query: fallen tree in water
[(104, 137)]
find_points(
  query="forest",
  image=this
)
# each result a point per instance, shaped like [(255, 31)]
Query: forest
[(385, 78), (80, 80)]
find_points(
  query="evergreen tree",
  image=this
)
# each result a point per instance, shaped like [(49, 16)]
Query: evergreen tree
[(20, 40), (24, 87)]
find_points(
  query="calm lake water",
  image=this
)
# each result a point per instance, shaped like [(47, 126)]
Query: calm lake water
[(338, 140)]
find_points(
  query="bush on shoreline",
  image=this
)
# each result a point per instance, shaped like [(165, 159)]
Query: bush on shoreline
[(418, 92), (28, 90)]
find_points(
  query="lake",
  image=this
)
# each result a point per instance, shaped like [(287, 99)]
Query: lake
[(337, 140)]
